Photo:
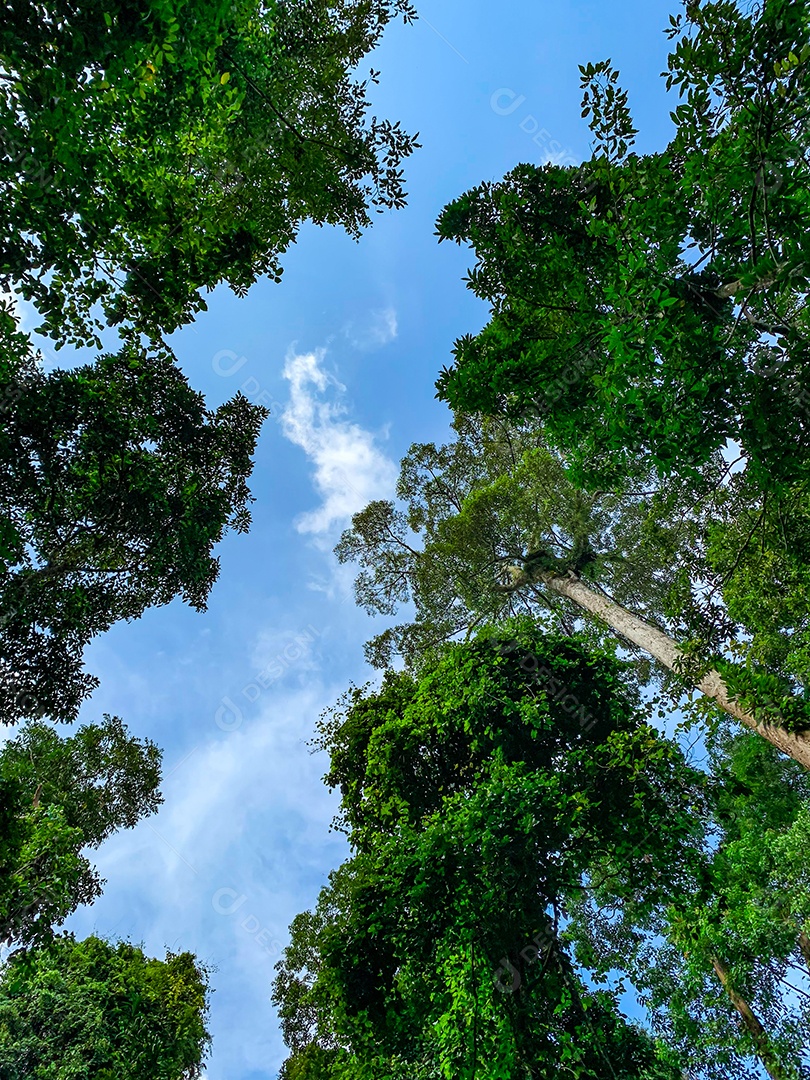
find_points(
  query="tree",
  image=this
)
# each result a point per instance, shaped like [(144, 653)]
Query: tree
[(758, 550), (650, 309), (525, 848), (149, 150), (477, 798), (723, 966), (59, 796), (118, 482), (92, 1008), (493, 526)]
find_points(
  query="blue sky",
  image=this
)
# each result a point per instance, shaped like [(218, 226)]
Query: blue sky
[(345, 351)]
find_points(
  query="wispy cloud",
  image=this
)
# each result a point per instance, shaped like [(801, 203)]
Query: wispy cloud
[(380, 329), (350, 468), (241, 845)]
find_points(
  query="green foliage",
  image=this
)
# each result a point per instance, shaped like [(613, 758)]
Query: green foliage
[(59, 796), (759, 548), (486, 519), (491, 500), (650, 308), (476, 798), (118, 482), (150, 149), (90, 1008), (647, 312), (749, 908), (487, 515), (494, 499), (765, 696)]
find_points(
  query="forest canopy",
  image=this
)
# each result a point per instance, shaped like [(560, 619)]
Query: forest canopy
[(576, 794)]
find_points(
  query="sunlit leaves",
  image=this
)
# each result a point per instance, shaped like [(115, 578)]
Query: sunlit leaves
[(680, 276), (104, 1010), (150, 150)]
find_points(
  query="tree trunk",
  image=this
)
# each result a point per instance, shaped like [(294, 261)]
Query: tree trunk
[(752, 1025), (804, 945), (667, 652)]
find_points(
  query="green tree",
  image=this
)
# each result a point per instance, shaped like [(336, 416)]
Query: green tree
[(94, 1009), (477, 799), (758, 551), (650, 309), (723, 966), (151, 149), (58, 797), (117, 484), (493, 526), (515, 825)]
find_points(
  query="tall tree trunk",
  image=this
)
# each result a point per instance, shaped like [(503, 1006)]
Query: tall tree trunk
[(668, 653), (752, 1025)]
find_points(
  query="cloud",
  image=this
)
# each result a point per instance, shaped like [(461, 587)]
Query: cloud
[(380, 330), (350, 469), (241, 845)]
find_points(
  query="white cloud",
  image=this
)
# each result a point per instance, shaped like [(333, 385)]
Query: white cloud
[(380, 330), (241, 845), (350, 469)]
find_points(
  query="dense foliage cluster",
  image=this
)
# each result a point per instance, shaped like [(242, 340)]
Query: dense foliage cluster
[(650, 308), (153, 149), (477, 799), (89, 1008)]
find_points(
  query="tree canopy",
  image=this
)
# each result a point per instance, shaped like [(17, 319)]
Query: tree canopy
[(477, 799), (630, 468), (151, 149), (118, 482), (492, 525), (723, 964), (652, 308), (526, 848), (623, 506), (58, 797), (91, 1008)]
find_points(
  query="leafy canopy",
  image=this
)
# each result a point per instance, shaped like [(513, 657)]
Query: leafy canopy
[(746, 914), (91, 1008), (477, 798), (150, 149), (58, 797), (118, 482), (483, 518), (649, 309)]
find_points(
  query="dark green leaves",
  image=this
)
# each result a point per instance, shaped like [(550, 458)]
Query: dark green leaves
[(641, 306), (59, 796), (477, 798), (118, 484)]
